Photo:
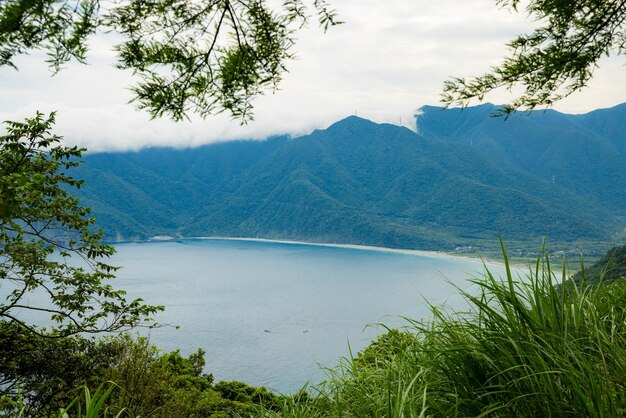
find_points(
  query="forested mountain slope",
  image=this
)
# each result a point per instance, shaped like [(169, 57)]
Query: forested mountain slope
[(583, 153), (465, 178)]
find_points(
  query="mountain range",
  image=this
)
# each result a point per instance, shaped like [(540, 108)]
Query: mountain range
[(464, 178)]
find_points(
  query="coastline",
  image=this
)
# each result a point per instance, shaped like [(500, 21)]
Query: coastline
[(422, 253)]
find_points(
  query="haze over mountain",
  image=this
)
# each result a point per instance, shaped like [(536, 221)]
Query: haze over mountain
[(465, 178)]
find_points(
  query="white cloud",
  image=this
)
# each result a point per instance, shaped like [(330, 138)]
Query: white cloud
[(389, 59)]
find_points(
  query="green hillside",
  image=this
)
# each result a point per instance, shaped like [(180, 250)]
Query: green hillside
[(609, 268), (585, 154), (467, 178)]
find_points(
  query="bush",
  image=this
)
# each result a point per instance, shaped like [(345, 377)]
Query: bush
[(39, 376)]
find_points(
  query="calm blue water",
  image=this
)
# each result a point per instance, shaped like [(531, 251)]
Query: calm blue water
[(225, 294)]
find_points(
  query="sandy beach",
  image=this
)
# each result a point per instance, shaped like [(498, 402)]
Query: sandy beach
[(424, 253)]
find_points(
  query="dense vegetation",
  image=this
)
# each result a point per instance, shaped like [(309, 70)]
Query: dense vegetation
[(607, 269), (39, 376), (465, 179)]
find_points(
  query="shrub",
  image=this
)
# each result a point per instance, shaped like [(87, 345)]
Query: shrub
[(39, 376)]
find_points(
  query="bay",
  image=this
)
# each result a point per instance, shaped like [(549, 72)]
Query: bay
[(270, 313)]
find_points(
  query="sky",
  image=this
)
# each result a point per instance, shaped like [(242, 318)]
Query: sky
[(387, 60)]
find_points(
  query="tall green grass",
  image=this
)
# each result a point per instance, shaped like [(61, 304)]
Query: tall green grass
[(532, 346), (86, 406), (91, 405)]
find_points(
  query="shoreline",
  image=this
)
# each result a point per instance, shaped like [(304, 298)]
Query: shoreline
[(422, 253)]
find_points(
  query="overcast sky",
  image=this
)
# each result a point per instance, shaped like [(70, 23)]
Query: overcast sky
[(387, 60)]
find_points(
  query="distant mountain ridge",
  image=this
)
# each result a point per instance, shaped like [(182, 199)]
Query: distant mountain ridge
[(462, 180), (583, 153)]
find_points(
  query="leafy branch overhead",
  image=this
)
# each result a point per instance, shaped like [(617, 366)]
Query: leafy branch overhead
[(52, 265), (190, 56), (556, 59)]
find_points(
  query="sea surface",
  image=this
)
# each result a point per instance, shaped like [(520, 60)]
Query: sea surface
[(271, 313)]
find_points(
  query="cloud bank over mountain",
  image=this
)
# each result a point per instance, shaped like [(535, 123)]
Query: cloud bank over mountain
[(466, 179), (387, 60)]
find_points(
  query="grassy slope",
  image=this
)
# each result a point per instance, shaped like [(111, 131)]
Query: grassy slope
[(524, 348)]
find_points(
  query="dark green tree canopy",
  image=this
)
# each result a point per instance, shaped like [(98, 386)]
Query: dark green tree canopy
[(608, 269), (191, 56), (556, 59), (47, 247)]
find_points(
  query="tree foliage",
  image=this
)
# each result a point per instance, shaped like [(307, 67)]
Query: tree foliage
[(556, 59), (608, 269), (51, 262), (201, 56), (42, 375)]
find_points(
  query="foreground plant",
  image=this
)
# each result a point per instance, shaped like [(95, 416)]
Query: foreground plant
[(91, 405), (191, 56), (39, 377), (52, 267), (534, 345), (557, 59)]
